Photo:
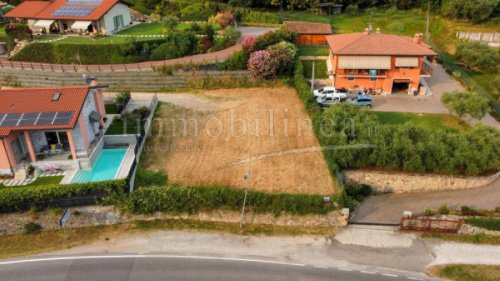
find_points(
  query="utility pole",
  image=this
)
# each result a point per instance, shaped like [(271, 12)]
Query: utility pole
[(245, 178), (370, 26), (427, 35), (312, 75)]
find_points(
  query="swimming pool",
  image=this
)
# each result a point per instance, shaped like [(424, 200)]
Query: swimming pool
[(105, 168)]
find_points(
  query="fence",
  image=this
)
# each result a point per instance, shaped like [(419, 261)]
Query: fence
[(142, 66), (430, 224)]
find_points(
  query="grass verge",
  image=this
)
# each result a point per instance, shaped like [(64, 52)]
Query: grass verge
[(471, 239), (431, 121), (111, 109), (487, 223), (60, 239), (320, 69), (314, 51), (465, 272)]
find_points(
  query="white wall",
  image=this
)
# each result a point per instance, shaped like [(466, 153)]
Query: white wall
[(107, 24)]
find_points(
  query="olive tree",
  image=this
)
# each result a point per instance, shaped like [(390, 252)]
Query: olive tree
[(462, 103)]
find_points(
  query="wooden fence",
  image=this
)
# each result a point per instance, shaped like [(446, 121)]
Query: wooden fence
[(430, 224)]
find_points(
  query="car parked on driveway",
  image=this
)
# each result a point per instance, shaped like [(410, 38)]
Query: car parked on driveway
[(361, 100), (327, 101), (329, 91)]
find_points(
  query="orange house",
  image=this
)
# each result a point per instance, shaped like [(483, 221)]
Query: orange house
[(42, 126), (309, 33), (383, 63)]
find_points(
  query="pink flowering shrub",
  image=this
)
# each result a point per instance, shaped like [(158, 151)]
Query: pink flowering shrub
[(224, 19), (285, 54), (249, 43), (262, 65)]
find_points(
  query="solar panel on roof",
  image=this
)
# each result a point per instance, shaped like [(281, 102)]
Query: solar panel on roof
[(35, 119), (47, 115), (13, 116), (44, 121), (10, 123), (84, 3), (27, 122), (65, 114), (73, 11)]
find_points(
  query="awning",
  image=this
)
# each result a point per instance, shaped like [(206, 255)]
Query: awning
[(81, 25), (43, 24), (364, 62), (94, 117), (406, 62)]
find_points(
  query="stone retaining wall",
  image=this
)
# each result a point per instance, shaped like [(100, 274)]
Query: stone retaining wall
[(384, 181)]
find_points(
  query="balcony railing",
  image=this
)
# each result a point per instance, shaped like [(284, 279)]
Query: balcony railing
[(426, 69)]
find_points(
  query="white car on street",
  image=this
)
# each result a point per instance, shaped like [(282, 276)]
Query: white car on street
[(320, 94)]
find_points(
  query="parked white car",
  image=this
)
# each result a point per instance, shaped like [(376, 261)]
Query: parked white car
[(329, 92)]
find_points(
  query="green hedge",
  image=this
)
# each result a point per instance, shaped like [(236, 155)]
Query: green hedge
[(187, 199), (487, 223), (17, 197)]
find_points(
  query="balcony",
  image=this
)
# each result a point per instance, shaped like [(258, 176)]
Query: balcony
[(427, 69)]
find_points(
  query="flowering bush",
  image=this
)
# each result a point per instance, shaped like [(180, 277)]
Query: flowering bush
[(249, 43), (223, 19), (274, 37), (262, 65), (284, 53)]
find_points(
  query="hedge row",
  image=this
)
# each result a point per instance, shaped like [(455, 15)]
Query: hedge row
[(487, 223), (187, 199), (16, 197)]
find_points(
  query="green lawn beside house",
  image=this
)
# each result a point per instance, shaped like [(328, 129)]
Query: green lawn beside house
[(118, 127), (431, 121), (314, 51), (320, 69), (155, 29), (41, 181), (111, 109)]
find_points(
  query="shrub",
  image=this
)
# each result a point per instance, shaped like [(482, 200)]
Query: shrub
[(358, 191), (487, 223), (460, 104), (32, 228), (467, 211), (474, 10), (224, 19), (477, 56), (249, 43), (179, 44), (495, 85), (121, 100), (252, 16), (237, 61), (28, 196), (17, 31), (274, 37), (228, 38), (352, 10), (150, 178), (443, 209), (302, 88), (208, 30), (142, 111), (429, 212), (497, 209), (186, 199), (196, 12), (285, 54), (169, 22), (263, 65)]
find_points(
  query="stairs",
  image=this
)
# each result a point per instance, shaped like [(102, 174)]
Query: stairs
[(19, 46)]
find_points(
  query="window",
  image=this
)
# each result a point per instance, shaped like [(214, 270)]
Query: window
[(373, 78), (118, 22), (350, 78)]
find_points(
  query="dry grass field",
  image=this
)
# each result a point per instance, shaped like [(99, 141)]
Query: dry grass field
[(265, 131)]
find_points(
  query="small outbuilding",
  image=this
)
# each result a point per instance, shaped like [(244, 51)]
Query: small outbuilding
[(309, 33)]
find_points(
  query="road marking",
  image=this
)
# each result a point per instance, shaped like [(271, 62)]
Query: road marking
[(367, 272), (390, 275), (148, 256), (344, 269), (413, 278), (319, 266)]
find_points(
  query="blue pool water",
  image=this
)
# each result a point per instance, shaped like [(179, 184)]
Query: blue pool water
[(105, 167)]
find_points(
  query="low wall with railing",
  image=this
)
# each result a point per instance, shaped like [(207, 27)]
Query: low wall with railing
[(386, 181)]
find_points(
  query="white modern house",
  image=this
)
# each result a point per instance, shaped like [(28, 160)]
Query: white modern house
[(72, 16)]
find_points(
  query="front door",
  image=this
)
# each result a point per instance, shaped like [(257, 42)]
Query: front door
[(19, 149)]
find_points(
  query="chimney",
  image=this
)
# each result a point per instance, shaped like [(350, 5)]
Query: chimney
[(367, 31), (418, 38), (378, 30)]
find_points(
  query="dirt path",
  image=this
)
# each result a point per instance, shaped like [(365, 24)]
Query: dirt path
[(226, 128)]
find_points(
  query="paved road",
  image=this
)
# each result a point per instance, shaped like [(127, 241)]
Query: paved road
[(143, 268), (388, 208)]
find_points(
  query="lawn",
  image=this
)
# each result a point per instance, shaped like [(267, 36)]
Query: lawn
[(42, 181), (314, 51), (118, 127), (155, 29), (217, 141), (465, 272), (320, 69), (431, 121), (111, 109)]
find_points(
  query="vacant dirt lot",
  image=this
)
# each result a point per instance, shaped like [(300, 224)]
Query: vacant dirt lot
[(264, 131)]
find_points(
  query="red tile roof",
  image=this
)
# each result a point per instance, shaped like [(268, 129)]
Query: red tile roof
[(377, 44), (31, 100), (44, 9), (301, 27)]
